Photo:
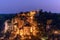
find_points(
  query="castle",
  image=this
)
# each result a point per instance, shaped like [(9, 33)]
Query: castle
[(23, 25)]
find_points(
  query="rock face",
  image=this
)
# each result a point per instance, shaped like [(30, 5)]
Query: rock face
[(22, 25)]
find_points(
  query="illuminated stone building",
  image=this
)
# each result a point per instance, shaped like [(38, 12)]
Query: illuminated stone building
[(24, 26)]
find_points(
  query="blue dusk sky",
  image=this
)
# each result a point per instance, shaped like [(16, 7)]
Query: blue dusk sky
[(16, 6)]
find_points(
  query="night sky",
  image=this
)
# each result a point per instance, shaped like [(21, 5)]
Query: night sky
[(16, 6)]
